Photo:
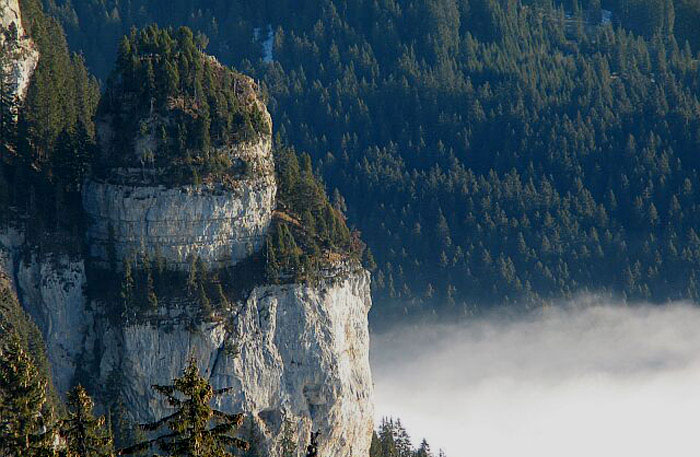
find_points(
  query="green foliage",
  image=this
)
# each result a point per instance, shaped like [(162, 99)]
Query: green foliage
[(16, 323), (172, 107), (490, 151), (84, 434), (392, 440), (496, 166), (309, 233), (195, 429), (61, 94), (23, 395), (47, 151)]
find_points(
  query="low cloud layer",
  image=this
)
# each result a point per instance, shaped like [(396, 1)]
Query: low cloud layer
[(596, 380)]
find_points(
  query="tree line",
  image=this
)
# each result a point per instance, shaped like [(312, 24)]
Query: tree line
[(392, 440), (490, 151)]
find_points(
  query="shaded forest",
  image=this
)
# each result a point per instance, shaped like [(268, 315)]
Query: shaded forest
[(489, 151)]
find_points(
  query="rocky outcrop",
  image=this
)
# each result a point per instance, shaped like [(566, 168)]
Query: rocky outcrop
[(295, 354), (14, 42), (148, 196), (51, 289), (220, 221), (217, 224)]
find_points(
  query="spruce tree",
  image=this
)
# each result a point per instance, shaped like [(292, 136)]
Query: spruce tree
[(23, 424), (84, 434), (424, 450), (7, 102), (195, 428)]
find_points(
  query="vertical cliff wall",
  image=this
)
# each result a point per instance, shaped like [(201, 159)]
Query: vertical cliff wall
[(220, 224), (297, 355)]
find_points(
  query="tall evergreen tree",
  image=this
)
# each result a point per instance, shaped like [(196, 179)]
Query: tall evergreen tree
[(84, 434), (24, 428), (195, 428), (7, 102)]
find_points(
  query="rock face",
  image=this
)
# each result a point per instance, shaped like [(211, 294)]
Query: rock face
[(219, 224), (297, 355), (302, 360), (52, 292), (23, 56)]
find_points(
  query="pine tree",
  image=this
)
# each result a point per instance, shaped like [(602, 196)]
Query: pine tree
[(84, 434), (7, 102), (402, 440), (195, 428), (23, 425), (424, 450), (387, 438), (375, 448)]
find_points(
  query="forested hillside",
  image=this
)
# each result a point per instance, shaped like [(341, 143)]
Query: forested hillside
[(490, 151), (47, 148)]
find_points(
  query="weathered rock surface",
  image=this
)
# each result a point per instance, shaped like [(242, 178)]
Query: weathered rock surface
[(18, 46), (296, 355), (303, 358), (52, 292), (221, 224), (149, 210)]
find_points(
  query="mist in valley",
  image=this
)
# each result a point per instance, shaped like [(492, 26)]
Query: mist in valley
[(585, 379)]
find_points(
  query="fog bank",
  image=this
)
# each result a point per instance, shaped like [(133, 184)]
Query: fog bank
[(587, 381)]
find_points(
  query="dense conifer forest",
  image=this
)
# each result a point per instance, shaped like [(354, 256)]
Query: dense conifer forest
[(490, 151), (165, 92), (48, 144)]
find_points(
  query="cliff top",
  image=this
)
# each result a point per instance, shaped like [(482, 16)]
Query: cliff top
[(169, 106)]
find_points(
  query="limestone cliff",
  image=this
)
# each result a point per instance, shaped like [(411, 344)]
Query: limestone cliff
[(222, 222), (220, 225), (20, 49), (296, 355)]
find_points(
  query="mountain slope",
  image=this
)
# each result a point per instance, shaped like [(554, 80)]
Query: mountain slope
[(489, 151)]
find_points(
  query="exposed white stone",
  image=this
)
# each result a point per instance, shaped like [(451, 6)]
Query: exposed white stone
[(218, 224), (20, 48), (51, 290), (303, 357), (295, 354)]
